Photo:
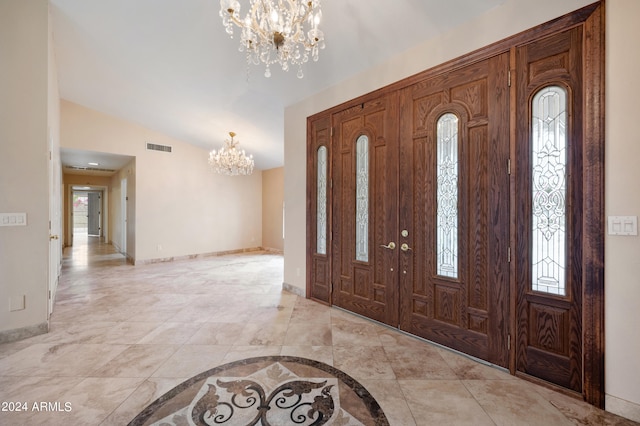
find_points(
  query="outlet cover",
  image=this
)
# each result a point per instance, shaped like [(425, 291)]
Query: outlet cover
[(17, 303), (622, 225)]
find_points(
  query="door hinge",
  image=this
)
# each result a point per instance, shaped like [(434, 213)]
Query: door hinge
[(509, 166), (49, 294), (508, 341), (331, 130), (509, 255), (509, 78)]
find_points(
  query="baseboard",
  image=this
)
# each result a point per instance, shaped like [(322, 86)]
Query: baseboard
[(197, 256), (273, 250), (8, 336), (293, 289), (621, 407)]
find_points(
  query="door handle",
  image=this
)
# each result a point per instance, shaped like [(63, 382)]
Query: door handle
[(389, 246), (405, 247), (53, 237)]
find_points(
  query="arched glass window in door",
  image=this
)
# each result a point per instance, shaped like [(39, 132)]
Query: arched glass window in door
[(321, 201), (447, 196), (549, 190), (362, 198)]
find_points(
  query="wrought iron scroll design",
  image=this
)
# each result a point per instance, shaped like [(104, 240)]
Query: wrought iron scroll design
[(249, 395)]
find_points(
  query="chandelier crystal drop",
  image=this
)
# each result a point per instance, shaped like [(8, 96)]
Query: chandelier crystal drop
[(276, 31), (229, 160)]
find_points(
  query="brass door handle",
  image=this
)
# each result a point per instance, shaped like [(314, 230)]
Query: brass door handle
[(53, 237), (405, 247), (389, 246)]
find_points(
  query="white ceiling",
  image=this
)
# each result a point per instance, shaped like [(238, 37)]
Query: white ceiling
[(170, 66)]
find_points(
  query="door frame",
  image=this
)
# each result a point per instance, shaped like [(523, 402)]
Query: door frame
[(99, 214), (104, 210), (593, 20)]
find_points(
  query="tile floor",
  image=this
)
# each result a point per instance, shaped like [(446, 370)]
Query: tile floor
[(123, 335)]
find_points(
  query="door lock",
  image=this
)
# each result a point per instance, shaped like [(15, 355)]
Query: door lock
[(404, 233), (389, 246)]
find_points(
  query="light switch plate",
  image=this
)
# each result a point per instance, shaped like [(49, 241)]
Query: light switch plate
[(13, 219), (623, 225)]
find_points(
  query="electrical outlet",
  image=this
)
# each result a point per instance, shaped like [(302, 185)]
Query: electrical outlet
[(17, 303)]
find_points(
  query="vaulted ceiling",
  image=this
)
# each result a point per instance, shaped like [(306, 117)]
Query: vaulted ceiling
[(170, 66)]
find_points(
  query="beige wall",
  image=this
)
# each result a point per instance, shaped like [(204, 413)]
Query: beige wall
[(28, 123), (622, 198), (272, 203), (622, 148), (177, 205)]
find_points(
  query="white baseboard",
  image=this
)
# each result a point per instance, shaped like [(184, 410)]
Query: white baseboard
[(8, 336), (621, 407), (294, 289)]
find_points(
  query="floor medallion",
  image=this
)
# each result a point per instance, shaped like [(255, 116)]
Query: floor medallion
[(267, 391)]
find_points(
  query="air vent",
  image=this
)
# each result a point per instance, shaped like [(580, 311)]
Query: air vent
[(90, 169), (156, 147)]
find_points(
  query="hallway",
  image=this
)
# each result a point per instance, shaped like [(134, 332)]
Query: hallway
[(123, 335)]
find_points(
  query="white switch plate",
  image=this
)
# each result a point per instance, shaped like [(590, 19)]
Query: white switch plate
[(13, 219), (623, 225)]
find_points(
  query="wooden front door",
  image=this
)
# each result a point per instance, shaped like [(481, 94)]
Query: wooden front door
[(454, 203), (364, 209)]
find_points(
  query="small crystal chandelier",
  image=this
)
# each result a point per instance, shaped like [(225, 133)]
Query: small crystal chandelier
[(276, 31), (229, 160)]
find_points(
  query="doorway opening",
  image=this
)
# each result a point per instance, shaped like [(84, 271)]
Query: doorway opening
[(87, 216)]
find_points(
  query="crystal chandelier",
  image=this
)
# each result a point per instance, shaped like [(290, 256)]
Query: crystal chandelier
[(276, 31), (229, 160)]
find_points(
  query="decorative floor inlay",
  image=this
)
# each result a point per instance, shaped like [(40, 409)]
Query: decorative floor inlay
[(269, 390)]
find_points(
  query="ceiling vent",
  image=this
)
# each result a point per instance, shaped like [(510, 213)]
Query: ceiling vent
[(156, 147)]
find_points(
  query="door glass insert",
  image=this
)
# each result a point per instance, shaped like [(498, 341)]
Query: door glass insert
[(362, 198), (549, 190), (321, 201), (447, 196)]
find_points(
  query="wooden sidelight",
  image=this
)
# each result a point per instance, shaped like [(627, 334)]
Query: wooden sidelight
[(465, 204), (549, 208)]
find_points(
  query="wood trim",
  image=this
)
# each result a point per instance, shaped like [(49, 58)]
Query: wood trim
[(513, 288), (594, 215)]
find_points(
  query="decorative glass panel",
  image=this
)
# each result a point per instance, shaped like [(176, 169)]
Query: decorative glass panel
[(447, 222), (362, 198), (321, 202), (549, 190)]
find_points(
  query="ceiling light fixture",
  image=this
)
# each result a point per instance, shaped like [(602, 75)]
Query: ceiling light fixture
[(229, 160), (276, 31)]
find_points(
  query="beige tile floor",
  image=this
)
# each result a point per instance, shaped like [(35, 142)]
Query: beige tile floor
[(123, 335)]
